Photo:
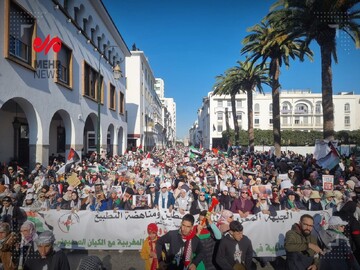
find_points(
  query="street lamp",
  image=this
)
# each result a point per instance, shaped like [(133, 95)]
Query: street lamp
[(117, 75)]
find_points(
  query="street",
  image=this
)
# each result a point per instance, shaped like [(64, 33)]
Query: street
[(130, 260)]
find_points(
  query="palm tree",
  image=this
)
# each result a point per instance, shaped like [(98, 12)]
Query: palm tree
[(319, 20), (267, 42), (226, 86), (251, 77), (242, 78)]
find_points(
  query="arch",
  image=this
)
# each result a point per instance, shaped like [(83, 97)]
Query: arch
[(257, 107), (90, 134), (61, 133), (20, 117), (110, 140)]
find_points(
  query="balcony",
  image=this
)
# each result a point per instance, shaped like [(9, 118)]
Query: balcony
[(286, 111), (301, 112)]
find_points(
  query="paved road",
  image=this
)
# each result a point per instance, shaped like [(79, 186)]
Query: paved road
[(130, 260)]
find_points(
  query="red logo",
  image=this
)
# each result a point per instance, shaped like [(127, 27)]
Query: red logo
[(39, 45)]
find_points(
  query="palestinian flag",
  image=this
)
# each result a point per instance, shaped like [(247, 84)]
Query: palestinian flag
[(72, 159)]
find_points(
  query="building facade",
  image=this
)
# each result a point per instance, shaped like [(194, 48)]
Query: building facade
[(299, 110), (145, 125), (56, 78)]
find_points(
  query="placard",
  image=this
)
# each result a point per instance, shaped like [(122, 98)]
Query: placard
[(328, 182), (261, 189)]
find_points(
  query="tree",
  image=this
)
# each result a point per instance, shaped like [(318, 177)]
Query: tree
[(251, 77), (319, 20), (242, 78), (267, 42), (228, 85)]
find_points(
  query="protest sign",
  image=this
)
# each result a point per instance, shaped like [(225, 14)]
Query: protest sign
[(261, 189), (141, 200), (73, 180), (328, 182)]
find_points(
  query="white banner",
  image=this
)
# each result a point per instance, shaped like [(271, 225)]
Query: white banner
[(127, 229)]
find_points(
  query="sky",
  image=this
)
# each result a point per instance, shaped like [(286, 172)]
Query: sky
[(190, 42)]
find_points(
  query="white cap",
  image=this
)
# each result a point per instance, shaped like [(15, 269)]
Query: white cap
[(163, 185), (335, 221)]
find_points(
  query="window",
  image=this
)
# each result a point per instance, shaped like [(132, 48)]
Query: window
[(318, 107), (122, 103), (219, 103), (64, 66), (270, 121), (239, 103), (256, 121), (347, 120), (239, 116), (347, 107), (297, 121), (20, 35), (285, 121), (91, 83), (219, 128), (317, 120), (228, 103), (270, 107), (112, 97), (257, 108), (305, 120), (301, 109), (220, 116)]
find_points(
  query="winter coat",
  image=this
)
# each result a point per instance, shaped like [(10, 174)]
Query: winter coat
[(298, 254)]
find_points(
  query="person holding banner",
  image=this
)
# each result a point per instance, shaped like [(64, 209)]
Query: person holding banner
[(185, 250)]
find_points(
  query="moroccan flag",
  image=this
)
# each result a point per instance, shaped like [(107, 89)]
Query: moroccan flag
[(72, 159)]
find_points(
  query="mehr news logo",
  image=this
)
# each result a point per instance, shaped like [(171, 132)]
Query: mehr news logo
[(46, 69), (21, 24)]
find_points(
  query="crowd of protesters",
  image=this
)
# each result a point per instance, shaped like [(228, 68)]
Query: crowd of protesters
[(175, 179)]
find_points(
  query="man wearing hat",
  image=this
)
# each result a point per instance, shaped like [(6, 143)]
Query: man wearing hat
[(50, 257), (338, 253)]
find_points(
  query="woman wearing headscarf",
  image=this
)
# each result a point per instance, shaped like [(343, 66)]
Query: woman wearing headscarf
[(200, 204), (292, 202), (226, 217), (182, 202)]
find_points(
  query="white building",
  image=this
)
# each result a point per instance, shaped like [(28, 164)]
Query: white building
[(145, 125), (169, 113), (49, 97), (300, 110)]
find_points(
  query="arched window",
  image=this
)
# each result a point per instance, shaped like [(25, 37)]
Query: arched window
[(257, 107), (318, 107)]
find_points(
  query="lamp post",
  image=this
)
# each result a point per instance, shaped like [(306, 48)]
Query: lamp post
[(117, 74)]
